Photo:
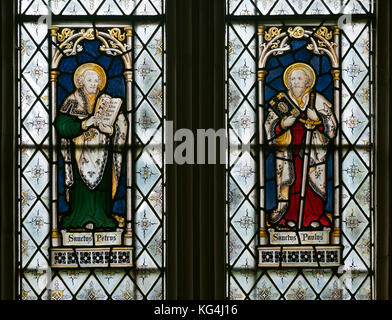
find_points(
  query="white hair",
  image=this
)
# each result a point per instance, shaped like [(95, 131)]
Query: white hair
[(82, 76), (308, 80)]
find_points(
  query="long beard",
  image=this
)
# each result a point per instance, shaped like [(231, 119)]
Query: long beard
[(298, 92)]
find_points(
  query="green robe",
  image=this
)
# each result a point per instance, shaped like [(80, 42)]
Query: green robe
[(87, 206)]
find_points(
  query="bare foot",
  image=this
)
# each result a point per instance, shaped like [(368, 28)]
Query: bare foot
[(89, 226), (291, 224), (315, 224)]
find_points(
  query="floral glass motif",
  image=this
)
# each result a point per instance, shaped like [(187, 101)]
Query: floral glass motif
[(39, 201), (252, 169), (91, 7)]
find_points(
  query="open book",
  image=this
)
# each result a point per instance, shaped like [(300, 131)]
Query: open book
[(107, 109)]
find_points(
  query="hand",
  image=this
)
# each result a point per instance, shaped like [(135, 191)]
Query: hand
[(289, 122), (105, 128), (90, 122), (312, 115)]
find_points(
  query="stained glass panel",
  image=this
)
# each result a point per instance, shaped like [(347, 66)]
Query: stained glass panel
[(298, 7), (45, 197), (91, 7), (257, 56)]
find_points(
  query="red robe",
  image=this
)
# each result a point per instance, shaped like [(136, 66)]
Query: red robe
[(314, 204)]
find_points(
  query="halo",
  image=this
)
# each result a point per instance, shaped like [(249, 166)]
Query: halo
[(90, 66), (299, 66)]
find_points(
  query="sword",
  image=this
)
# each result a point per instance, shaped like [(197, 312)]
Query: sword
[(309, 126)]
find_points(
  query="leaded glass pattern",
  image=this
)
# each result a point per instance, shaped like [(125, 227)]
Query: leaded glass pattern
[(36, 280), (354, 278), (298, 7), (91, 7)]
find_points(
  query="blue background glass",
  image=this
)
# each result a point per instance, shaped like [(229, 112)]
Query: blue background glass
[(274, 84), (115, 87)]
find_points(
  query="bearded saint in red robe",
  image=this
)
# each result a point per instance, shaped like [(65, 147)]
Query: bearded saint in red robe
[(287, 136)]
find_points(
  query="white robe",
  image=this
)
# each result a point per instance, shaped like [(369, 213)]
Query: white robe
[(317, 173), (91, 148)]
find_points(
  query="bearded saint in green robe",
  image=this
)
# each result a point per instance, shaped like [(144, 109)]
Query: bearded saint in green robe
[(92, 153)]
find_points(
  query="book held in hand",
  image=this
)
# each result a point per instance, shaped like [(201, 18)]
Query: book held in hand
[(282, 106), (107, 109)]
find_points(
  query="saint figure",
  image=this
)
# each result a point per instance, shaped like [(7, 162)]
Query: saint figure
[(300, 142), (92, 152)]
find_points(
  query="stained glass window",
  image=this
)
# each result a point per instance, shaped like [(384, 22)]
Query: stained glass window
[(91, 171), (300, 119)]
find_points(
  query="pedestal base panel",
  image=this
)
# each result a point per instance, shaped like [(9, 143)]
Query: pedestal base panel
[(300, 256), (91, 257)]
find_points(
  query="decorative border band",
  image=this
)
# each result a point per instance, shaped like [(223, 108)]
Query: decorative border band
[(304, 256), (91, 257)]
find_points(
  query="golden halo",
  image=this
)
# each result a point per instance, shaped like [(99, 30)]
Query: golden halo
[(90, 66), (299, 66)]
